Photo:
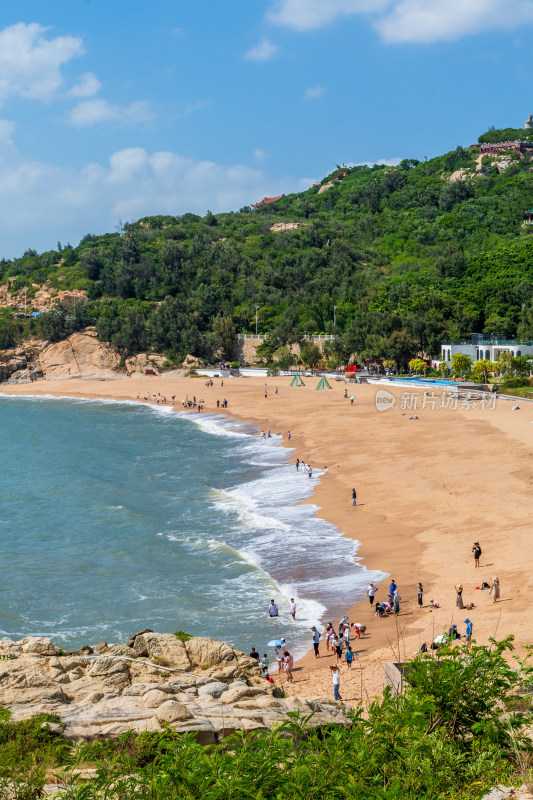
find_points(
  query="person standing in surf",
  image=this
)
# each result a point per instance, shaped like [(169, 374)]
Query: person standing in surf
[(272, 609), (292, 608)]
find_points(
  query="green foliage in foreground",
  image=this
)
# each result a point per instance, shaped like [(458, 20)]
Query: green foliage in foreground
[(444, 738)]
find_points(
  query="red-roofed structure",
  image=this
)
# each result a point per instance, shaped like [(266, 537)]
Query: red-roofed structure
[(266, 200)]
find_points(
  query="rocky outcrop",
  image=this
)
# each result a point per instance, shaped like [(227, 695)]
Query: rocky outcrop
[(201, 686), (79, 356), (137, 365), (20, 364), (37, 297), (277, 227)]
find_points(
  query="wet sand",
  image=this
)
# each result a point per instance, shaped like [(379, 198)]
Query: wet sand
[(426, 489)]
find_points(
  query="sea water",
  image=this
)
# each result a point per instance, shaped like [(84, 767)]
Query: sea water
[(119, 516)]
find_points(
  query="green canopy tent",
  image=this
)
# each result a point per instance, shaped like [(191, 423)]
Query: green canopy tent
[(297, 381), (322, 384)]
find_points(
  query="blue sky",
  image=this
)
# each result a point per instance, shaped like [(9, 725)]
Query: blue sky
[(111, 111)]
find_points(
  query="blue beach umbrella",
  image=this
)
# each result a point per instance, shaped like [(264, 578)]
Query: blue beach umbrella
[(275, 643)]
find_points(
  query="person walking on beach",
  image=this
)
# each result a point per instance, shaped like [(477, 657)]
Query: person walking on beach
[(326, 635), (316, 641), (272, 609), (292, 608), (297, 464), (336, 677), (396, 600), (469, 627), (495, 589), (371, 592), (420, 594), (288, 664), (392, 589), (337, 644), (310, 473), (459, 601), (354, 497), (476, 549), (289, 435), (349, 657)]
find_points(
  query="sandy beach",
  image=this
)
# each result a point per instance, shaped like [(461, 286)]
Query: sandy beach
[(427, 488)]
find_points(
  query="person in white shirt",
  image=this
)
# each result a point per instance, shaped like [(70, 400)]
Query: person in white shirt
[(272, 609), (371, 592), (336, 676), (396, 599), (292, 608)]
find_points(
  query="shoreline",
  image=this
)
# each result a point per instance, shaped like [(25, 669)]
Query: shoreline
[(424, 495)]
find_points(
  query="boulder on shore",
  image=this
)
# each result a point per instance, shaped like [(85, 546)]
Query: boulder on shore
[(198, 686)]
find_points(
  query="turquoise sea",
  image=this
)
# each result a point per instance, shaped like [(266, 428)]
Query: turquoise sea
[(118, 516)]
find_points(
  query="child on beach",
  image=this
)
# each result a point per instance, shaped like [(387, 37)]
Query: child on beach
[(420, 593), (272, 609), (292, 608), (264, 666), (349, 657)]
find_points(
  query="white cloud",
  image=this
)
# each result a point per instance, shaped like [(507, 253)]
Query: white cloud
[(264, 50), (448, 20), (7, 128), (90, 112), (305, 15), (260, 154), (31, 62), (192, 108), (87, 86), (41, 202), (402, 21), (314, 92)]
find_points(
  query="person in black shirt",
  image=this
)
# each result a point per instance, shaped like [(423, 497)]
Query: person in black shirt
[(476, 549), (253, 654)]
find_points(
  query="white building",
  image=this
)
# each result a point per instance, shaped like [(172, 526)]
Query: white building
[(489, 347)]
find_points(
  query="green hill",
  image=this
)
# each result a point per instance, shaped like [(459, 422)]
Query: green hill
[(407, 256)]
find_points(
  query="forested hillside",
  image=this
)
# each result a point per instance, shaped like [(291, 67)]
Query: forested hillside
[(406, 255)]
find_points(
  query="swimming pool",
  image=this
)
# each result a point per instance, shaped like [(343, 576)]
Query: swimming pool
[(424, 381)]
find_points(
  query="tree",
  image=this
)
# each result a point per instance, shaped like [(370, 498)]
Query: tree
[(417, 365), (285, 359), (461, 363), (497, 324), (504, 362), (401, 346), (311, 355), (224, 330), (389, 363), (481, 369)]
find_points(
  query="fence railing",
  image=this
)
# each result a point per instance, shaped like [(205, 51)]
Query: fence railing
[(316, 336)]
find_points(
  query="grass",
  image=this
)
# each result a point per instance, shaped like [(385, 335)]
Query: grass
[(183, 636)]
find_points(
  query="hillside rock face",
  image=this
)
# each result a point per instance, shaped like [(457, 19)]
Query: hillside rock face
[(79, 356), (213, 692)]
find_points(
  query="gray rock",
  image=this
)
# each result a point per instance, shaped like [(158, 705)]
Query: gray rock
[(40, 645), (214, 689)]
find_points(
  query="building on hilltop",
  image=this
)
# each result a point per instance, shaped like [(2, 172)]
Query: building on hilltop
[(485, 347), (493, 148), (267, 200), (529, 123)]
